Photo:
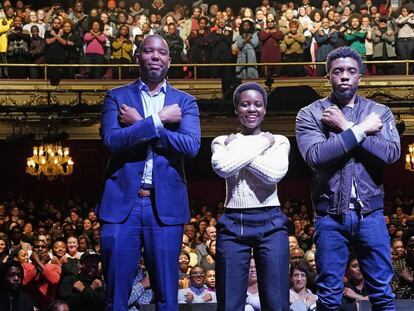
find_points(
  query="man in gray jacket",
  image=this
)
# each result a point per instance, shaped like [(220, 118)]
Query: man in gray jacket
[(347, 140)]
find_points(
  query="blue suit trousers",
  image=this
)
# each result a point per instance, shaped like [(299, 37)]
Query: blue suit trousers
[(121, 245)]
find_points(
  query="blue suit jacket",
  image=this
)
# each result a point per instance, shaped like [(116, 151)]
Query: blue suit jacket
[(128, 146)]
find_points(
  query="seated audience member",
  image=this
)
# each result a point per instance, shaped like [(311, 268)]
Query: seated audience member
[(293, 242), (297, 254), (354, 290), (185, 247), (12, 297), (141, 292), (184, 278), (41, 277), (84, 291), (72, 247), (310, 259), (403, 282), (84, 243), (252, 300), (96, 240), (4, 249), (58, 305), (209, 262), (301, 298), (197, 292), (211, 280), (20, 255), (210, 234)]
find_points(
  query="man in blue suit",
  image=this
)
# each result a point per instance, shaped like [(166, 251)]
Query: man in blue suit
[(149, 127)]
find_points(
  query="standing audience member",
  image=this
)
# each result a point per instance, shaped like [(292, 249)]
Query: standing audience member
[(269, 39), (221, 41), (199, 47), (95, 49), (5, 25), (176, 46), (121, 53), (55, 52), (293, 52), (326, 38), (18, 49), (73, 47), (383, 40), (405, 36), (247, 41), (37, 52)]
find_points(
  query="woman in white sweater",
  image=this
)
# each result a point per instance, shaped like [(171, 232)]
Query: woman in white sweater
[(252, 162)]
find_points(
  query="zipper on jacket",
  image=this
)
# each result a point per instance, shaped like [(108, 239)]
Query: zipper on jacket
[(241, 224)]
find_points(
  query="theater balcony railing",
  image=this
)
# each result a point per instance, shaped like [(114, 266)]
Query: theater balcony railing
[(74, 105)]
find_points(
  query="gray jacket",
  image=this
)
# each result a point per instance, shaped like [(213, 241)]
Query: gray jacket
[(337, 158)]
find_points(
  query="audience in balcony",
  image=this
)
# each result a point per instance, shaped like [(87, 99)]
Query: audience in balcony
[(348, 24)]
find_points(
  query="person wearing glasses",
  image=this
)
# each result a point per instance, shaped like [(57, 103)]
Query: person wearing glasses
[(41, 277), (198, 291)]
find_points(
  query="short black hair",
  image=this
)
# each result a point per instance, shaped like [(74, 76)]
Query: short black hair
[(249, 86), (343, 52)]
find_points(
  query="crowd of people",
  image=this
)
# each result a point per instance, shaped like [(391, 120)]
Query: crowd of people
[(50, 255), (111, 32)]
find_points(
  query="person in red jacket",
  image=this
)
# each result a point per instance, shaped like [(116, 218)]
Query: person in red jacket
[(40, 276)]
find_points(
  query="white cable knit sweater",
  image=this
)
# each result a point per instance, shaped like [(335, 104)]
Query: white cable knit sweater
[(251, 168)]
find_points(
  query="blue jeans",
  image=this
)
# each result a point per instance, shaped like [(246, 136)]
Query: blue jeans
[(264, 231), (369, 237)]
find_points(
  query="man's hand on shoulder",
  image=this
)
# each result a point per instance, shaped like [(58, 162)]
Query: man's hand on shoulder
[(128, 115), (334, 118), (170, 114), (372, 124)]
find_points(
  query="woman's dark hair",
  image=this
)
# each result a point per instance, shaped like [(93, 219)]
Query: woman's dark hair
[(248, 86), (354, 16), (252, 27), (186, 254), (101, 27), (314, 11), (204, 19), (300, 265), (54, 305), (343, 52)]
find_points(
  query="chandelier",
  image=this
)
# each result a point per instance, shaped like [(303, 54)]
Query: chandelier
[(51, 160), (409, 158)]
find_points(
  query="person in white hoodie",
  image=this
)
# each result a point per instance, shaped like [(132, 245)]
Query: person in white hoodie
[(252, 162)]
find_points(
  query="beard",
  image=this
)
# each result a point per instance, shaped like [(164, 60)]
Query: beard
[(155, 76), (344, 95)]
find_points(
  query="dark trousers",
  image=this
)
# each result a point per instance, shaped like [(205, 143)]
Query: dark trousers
[(369, 237), (263, 230), (405, 50), (294, 70), (95, 59), (121, 252)]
